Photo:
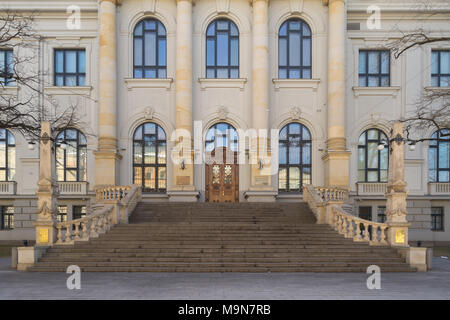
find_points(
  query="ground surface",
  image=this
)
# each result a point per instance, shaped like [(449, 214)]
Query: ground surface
[(26, 285)]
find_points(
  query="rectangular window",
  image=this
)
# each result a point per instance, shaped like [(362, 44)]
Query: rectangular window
[(6, 67), (365, 213), (374, 68), (437, 219), (62, 214), (79, 212), (381, 214), (70, 67), (440, 68), (7, 218)]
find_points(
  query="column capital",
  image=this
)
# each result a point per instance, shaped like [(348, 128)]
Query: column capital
[(191, 1), (253, 1), (115, 2), (327, 2)]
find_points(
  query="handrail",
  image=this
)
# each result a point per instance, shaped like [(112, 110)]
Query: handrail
[(112, 193), (327, 201)]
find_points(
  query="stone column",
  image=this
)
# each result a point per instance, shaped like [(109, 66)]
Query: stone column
[(183, 168), (396, 190), (337, 157), (261, 187), (107, 157), (47, 190)]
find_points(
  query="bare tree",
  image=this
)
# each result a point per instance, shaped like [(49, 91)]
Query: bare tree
[(24, 110)]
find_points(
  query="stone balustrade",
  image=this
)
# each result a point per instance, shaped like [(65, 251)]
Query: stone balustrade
[(328, 194), (371, 188), (72, 187), (112, 193)]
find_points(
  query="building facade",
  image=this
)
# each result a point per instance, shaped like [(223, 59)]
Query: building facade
[(146, 74)]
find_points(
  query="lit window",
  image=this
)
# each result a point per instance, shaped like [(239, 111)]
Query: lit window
[(437, 219), (374, 68), (62, 214), (70, 67), (7, 218)]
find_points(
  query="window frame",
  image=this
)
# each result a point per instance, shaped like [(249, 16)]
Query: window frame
[(300, 165), (220, 134), (366, 156), (82, 212), (77, 74), (10, 220), (157, 67), (78, 148), (301, 67), (7, 74), (61, 216), (6, 168), (439, 74), (379, 74), (231, 37), (437, 168), (381, 213), (156, 164), (434, 220)]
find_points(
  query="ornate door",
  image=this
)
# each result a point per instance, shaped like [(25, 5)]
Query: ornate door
[(222, 179)]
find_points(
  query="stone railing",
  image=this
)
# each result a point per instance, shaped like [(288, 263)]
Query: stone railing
[(8, 187), (114, 205), (69, 187), (326, 204), (85, 228), (359, 229), (439, 188)]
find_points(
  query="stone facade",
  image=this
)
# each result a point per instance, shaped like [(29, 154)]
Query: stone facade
[(331, 104)]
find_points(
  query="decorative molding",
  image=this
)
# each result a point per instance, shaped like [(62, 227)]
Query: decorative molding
[(149, 6), (375, 117), (223, 6), (295, 113), (59, 91), (149, 113), (132, 83), (296, 6), (9, 90), (222, 112), (222, 83), (296, 84), (376, 91)]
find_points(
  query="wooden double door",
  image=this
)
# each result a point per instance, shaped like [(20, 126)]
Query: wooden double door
[(222, 176)]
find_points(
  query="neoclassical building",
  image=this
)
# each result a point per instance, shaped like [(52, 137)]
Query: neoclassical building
[(146, 74)]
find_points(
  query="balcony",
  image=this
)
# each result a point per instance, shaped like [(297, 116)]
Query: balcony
[(371, 188), (72, 188), (8, 187), (439, 188)]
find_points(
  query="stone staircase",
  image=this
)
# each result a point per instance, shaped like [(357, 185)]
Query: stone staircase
[(221, 237)]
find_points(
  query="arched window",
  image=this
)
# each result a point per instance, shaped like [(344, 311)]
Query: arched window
[(294, 50), (222, 49), (7, 156), (294, 158), (71, 155), (149, 157), (372, 163), (149, 47), (221, 135), (439, 157)]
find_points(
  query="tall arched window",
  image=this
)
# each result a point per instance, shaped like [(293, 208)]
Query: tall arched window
[(372, 163), (149, 157), (149, 47), (7, 156), (222, 49), (71, 155), (221, 135), (294, 158), (294, 50), (439, 157)]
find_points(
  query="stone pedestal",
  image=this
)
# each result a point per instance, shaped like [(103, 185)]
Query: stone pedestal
[(28, 256)]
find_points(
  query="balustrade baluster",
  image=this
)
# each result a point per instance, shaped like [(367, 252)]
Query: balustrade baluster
[(366, 232), (77, 233), (68, 233), (58, 235)]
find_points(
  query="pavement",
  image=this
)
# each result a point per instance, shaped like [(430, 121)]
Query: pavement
[(434, 284)]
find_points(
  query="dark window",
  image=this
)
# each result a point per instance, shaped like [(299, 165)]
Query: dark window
[(294, 158), (439, 156), (7, 156), (149, 157), (437, 219), (71, 162), (221, 135), (381, 214), (440, 68), (6, 68), (7, 218), (149, 47), (294, 50), (365, 213), (222, 49), (70, 67), (78, 212), (374, 68), (372, 163), (62, 214)]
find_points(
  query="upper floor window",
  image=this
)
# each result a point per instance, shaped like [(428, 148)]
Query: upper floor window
[(222, 49), (294, 50), (374, 68), (372, 163), (440, 68), (7, 156), (6, 68), (149, 47), (71, 156), (439, 156), (7, 218), (70, 67)]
